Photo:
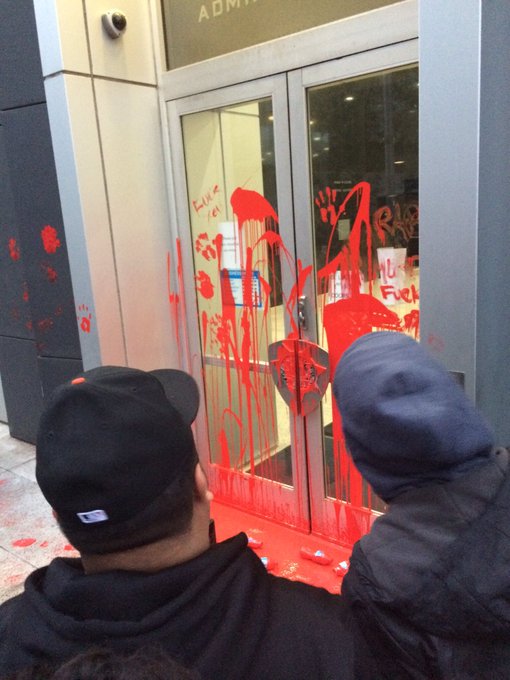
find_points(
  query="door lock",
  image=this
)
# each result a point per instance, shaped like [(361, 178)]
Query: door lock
[(302, 315)]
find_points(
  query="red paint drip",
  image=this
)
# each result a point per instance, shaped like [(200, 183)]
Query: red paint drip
[(250, 205), (49, 239), (173, 301), (23, 542), (14, 250)]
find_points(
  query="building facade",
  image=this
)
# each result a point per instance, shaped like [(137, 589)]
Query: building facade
[(244, 189)]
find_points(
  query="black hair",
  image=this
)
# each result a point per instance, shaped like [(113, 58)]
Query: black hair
[(97, 663)]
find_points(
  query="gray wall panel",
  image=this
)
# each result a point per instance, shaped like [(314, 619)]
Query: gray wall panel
[(15, 317), (54, 372), (493, 318), (21, 386), (40, 224), (21, 74)]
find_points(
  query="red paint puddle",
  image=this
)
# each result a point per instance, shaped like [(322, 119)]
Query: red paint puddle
[(49, 239), (282, 547), (24, 542)]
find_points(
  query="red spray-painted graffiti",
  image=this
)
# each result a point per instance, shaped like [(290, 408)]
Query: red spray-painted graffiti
[(207, 203), (49, 239)]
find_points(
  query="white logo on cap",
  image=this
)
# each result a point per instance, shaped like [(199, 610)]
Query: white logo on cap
[(92, 516)]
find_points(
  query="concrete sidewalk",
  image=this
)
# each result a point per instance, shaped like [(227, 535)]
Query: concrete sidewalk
[(29, 535)]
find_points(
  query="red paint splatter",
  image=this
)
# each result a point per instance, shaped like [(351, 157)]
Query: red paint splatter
[(412, 322), (14, 250), (23, 542), (44, 325), (204, 246), (68, 547), (205, 286), (250, 205), (44, 544), (84, 318), (51, 274), (25, 291), (14, 579), (49, 239)]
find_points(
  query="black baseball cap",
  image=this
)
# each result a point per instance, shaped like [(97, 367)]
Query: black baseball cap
[(112, 444)]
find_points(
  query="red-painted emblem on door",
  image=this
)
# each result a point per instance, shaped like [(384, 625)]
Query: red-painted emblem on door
[(300, 370)]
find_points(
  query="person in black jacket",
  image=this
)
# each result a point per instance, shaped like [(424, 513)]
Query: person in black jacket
[(430, 583), (116, 460)]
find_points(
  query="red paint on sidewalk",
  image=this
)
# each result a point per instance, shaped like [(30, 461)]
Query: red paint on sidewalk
[(283, 546)]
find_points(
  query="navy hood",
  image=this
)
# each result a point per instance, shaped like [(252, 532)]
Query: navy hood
[(406, 422)]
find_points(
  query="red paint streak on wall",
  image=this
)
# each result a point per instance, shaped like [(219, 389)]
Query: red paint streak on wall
[(23, 542), (14, 250), (175, 301), (348, 319), (250, 205), (49, 239)]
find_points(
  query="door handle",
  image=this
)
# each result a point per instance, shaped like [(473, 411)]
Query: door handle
[(302, 312)]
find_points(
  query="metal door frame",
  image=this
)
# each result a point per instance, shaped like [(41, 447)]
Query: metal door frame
[(369, 42), (326, 513), (288, 503)]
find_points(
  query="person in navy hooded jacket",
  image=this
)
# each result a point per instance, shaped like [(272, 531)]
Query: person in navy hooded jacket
[(430, 583)]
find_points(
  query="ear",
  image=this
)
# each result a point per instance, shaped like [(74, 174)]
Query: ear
[(201, 485)]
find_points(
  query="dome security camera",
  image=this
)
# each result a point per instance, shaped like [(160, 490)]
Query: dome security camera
[(114, 23)]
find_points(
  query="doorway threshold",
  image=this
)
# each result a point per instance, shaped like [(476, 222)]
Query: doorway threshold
[(287, 552)]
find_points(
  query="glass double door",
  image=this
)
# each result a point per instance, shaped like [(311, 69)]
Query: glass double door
[(297, 210)]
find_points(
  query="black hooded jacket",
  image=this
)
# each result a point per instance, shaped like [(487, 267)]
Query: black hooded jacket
[(221, 613), (430, 583)]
